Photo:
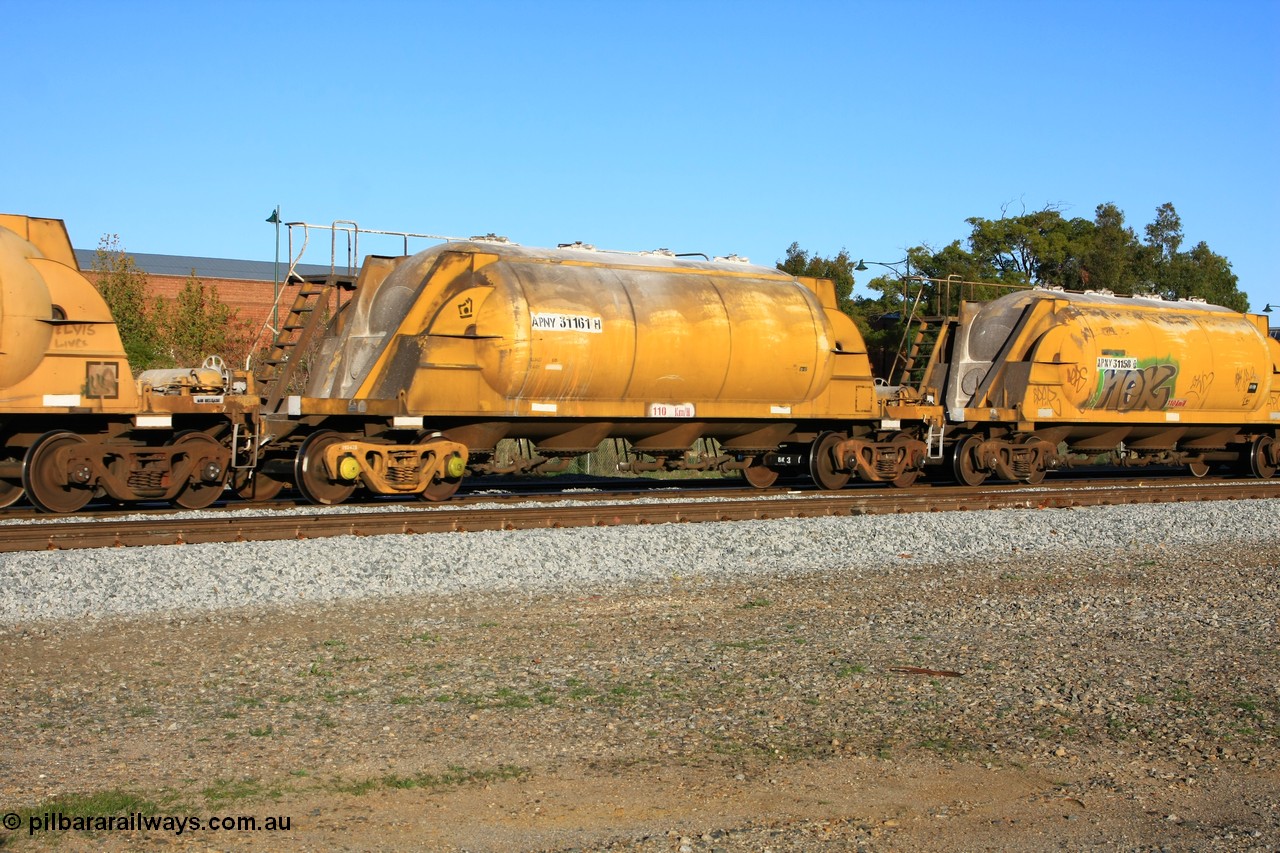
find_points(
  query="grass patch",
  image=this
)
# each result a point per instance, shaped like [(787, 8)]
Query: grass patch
[(943, 745), (98, 804), (224, 791), (455, 776)]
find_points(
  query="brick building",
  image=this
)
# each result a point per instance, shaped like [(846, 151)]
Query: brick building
[(248, 287)]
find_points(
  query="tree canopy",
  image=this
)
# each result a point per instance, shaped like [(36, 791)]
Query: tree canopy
[(1043, 247), (124, 288), (1040, 247), (165, 332)]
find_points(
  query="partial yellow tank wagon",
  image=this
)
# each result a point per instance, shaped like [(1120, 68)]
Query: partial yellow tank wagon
[(74, 422), (1034, 374)]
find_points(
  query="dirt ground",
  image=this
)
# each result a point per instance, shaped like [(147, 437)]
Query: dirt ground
[(1100, 705)]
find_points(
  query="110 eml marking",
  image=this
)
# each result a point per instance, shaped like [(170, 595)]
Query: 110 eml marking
[(671, 410)]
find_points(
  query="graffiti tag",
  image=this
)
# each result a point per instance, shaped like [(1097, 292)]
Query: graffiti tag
[(1200, 384), (1078, 376), (73, 336), (1136, 388)]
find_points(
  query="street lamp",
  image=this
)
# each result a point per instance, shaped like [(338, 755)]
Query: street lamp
[(905, 278), (1266, 310), (862, 266), (275, 290)]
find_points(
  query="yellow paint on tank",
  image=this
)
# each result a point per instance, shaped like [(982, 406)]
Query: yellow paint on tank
[(59, 346), (470, 328), (1097, 358), (1152, 356), (594, 333), (25, 308)]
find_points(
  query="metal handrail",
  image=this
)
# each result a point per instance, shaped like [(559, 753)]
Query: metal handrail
[(949, 292), (352, 231)]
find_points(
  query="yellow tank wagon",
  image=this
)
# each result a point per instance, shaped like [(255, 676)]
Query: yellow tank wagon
[(1139, 379), (73, 420), (441, 355)]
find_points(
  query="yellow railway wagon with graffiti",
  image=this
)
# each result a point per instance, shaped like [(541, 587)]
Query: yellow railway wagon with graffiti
[(1042, 378), (710, 365)]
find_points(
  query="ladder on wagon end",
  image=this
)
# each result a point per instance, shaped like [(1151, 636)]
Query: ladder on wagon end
[(280, 366), (918, 349), (921, 337)]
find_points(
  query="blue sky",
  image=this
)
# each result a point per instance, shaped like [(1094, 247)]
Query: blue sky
[(699, 126)]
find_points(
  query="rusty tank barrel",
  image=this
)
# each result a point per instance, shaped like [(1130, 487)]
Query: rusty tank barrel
[(481, 327)]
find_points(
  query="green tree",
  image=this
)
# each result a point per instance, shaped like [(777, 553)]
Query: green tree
[(838, 269), (1109, 257), (1020, 249), (197, 324), (1043, 247), (124, 288), (1164, 234)]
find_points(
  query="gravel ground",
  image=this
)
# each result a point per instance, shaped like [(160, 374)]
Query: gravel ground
[(99, 583), (1097, 678)]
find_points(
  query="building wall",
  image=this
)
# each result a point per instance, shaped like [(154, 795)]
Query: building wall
[(251, 300)]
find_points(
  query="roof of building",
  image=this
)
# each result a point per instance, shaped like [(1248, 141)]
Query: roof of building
[(211, 268)]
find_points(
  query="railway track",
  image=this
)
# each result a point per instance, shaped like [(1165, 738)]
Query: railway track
[(594, 509)]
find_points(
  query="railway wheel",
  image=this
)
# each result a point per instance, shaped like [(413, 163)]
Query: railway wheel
[(1035, 476), (964, 462), (758, 474), (908, 475), (1198, 468), (823, 462), (45, 475), (441, 490), (10, 492), (455, 469), (309, 473), (255, 487), (208, 480), (1262, 457)]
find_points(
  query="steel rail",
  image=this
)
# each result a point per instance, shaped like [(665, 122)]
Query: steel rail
[(397, 520)]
